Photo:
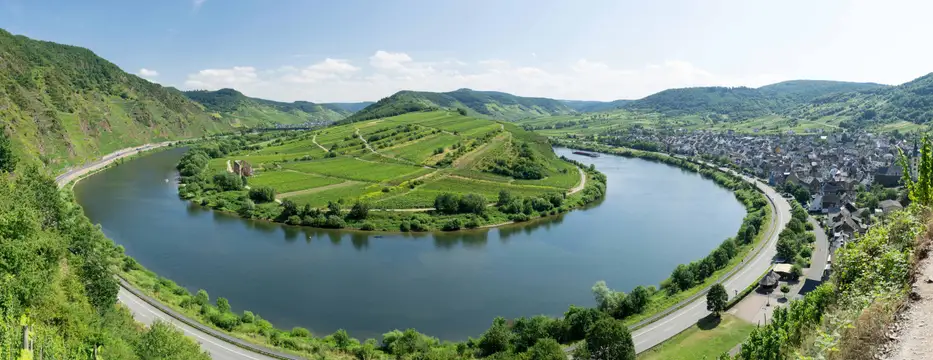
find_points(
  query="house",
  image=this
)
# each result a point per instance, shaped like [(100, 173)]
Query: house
[(783, 270), (889, 176), (889, 206)]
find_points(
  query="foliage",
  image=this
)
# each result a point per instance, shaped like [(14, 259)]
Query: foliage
[(609, 339), (717, 299), (7, 157), (232, 103), (262, 194)]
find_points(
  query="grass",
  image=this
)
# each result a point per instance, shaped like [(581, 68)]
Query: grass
[(423, 149), (353, 169), (344, 193), (488, 189), (288, 181), (707, 339)]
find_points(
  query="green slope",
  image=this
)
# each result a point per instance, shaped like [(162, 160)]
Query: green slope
[(484, 104), (911, 102), (65, 105), (233, 106), (742, 103)]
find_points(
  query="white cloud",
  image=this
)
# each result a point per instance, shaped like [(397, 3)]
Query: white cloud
[(237, 77), (387, 72), (197, 4), (147, 73)]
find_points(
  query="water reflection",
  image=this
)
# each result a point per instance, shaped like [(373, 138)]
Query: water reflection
[(449, 285)]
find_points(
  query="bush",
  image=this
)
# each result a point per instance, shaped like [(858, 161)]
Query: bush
[(293, 220), (226, 321), (472, 203), (359, 211), (447, 203), (228, 182), (367, 226), (248, 317), (473, 223), (300, 332), (520, 217), (452, 225), (334, 222), (404, 226), (262, 194)]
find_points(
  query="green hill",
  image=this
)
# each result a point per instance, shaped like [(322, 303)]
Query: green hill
[(233, 106), (64, 104), (911, 102), (595, 106), (741, 103), (483, 104)]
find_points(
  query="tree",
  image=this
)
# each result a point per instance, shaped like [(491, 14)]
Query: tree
[(359, 211), (223, 305), (546, 349), (785, 289), (505, 197), (498, 338), (447, 203), (716, 299), (609, 339), (262, 194), (342, 339), (462, 111), (228, 182), (7, 158), (164, 342), (796, 271), (333, 208), (201, 297)]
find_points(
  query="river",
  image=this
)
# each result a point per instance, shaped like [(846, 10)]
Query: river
[(448, 285)]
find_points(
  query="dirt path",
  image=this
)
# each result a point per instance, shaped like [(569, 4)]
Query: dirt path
[(364, 141), (229, 167), (314, 140), (582, 184), (915, 336), (317, 189)]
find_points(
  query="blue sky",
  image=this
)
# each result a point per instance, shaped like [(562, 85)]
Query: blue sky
[(353, 50)]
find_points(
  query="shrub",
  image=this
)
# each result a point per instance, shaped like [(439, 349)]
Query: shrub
[(262, 194), (334, 222), (447, 203), (472, 203), (294, 220), (359, 211), (228, 182), (452, 224), (226, 321), (300, 332), (473, 223), (520, 217), (404, 226), (248, 317), (367, 226)]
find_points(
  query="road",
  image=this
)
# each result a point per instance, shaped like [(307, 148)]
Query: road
[(143, 311), (687, 316)]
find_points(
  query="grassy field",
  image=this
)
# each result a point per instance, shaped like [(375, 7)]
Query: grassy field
[(706, 340), (444, 151)]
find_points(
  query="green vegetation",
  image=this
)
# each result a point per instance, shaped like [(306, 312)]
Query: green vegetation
[(235, 107), (708, 339), (416, 172), (63, 105), (717, 299), (484, 104), (795, 241), (58, 279)]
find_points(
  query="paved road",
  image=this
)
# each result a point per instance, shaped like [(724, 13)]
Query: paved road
[(672, 324)]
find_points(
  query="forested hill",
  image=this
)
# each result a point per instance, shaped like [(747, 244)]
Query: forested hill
[(911, 101), (484, 104), (740, 103), (233, 106), (65, 105)]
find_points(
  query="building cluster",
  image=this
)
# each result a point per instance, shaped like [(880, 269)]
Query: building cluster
[(830, 166)]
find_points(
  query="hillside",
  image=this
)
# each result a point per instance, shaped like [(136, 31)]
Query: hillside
[(595, 106), (483, 104), (64, 104), (910, 102), (405, 163), (232, 106)]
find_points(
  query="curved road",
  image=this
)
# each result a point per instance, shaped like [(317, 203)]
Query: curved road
[(221, 347), (687, 316)]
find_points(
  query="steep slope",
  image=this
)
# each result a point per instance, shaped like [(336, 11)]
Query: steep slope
[(802, 91), (64, 104), (237, 108), (911, 102), (485, 104)]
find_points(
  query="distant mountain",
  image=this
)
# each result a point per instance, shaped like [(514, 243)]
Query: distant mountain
[(911, 102), (235, 107), (485, 104), (595, 106), (740, 103), (64, 104), (351, 107)]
